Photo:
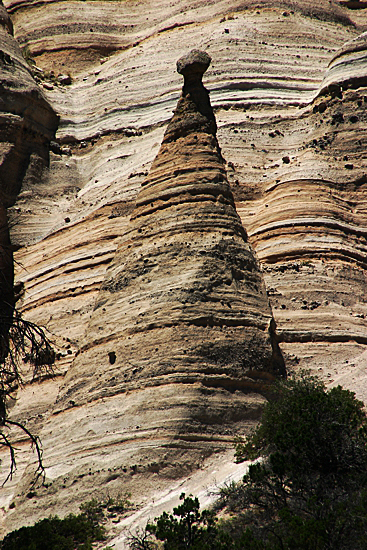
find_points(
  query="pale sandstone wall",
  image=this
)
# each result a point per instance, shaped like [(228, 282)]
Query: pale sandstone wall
[(295, 148), (27, 125)]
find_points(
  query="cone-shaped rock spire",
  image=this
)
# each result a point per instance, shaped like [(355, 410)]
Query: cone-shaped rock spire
[(181, 342), (184, 296)]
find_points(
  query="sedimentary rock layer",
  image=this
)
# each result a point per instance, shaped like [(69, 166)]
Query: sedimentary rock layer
[(182, 264), (27, 124), (310, 231), (182, 338), (269, 64), (296, 166)]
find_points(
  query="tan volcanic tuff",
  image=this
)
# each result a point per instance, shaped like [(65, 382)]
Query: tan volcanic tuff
[(309, 226), (266, 67), (73, 34), (297, 168), (180, 348), (27, 123)]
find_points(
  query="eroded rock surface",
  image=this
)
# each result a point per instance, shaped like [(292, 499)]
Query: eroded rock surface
[(309, 232), (287, 84), (180, 347), (27, 124)]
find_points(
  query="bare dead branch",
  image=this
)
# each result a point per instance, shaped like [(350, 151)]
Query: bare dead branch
[(22, 341), (13, 464), (36, 444)]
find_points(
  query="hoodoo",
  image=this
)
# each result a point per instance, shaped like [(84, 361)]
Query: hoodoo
[(181, 346), (149, 288), (183, 301)]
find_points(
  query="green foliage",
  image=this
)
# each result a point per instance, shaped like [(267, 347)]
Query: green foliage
[(187, 527), (93, 511), (75, 532), (117, 505), (310, 433), (306, 491), (97, 510), (309, 489)]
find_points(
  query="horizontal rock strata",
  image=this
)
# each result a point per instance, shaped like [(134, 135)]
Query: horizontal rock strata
[(181, 342), (311, 230), (268, 67), (27, 124), (285, 111)]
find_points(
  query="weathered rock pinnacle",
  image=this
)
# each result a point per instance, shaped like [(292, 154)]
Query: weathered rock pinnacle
[(181, 345), (306, 217), (193, 112)]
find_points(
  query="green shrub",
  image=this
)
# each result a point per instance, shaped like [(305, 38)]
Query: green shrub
[(307, 491), (187, 527), (74, 532)]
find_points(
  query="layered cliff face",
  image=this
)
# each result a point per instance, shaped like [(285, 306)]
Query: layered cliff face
[(308, 226), (27, 124), (288, 89), (180, 348), (183, 272)]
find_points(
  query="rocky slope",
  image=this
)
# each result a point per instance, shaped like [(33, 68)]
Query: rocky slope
[(288, 87)]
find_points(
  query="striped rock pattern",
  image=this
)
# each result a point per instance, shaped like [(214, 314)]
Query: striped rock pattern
[(288, 92), (180, 347), (27, 124)]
